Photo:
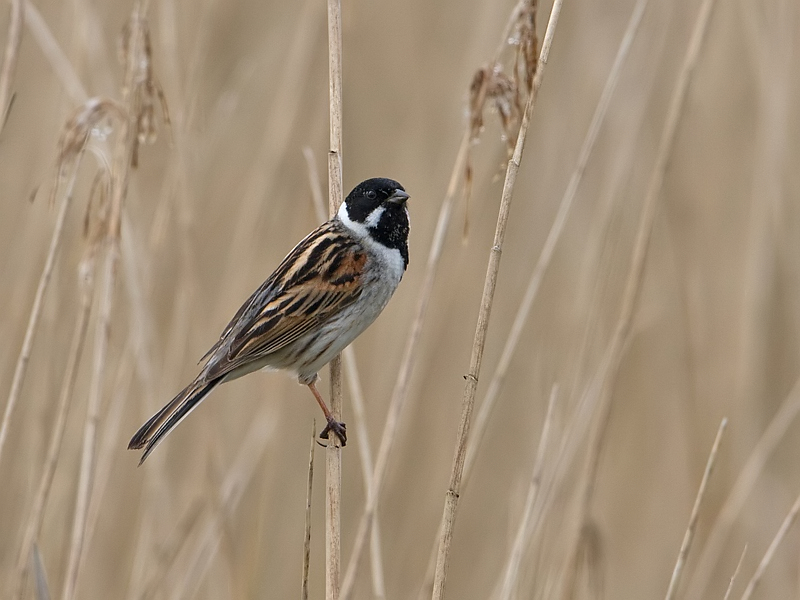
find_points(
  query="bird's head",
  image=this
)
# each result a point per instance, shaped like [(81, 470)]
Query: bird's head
[(377, 208)]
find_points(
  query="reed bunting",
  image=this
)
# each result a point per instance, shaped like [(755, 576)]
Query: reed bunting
[(328, 290)]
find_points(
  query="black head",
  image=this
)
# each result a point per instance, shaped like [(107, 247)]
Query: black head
[(379, 205)]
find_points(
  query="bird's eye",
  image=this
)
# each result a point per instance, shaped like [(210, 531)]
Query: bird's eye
[(371, 194)]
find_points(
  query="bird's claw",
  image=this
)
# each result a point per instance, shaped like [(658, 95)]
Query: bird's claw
[(338, 428)]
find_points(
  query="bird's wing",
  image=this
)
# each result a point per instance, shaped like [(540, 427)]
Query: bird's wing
[(320, 277)]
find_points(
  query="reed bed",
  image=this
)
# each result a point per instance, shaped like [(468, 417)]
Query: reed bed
[(550, 379)]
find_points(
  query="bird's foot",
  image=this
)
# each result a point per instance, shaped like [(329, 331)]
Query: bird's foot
[(338, 428)]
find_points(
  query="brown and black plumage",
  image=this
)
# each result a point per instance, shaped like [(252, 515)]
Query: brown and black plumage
[(328, 289)]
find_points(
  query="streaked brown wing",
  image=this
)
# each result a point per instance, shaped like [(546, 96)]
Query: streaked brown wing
[(320, 277), (272, 286)]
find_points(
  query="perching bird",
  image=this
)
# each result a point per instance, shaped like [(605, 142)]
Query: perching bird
[(328, 290)]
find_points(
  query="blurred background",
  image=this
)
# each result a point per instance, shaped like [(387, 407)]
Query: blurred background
[(224, 193)]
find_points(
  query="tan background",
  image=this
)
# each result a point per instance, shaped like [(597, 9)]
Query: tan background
[(717, 331)]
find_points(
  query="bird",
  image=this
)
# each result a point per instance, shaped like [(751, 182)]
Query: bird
[(322, 296)]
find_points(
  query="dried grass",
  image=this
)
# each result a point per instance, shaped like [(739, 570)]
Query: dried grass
[(171, 248), (487, 299)]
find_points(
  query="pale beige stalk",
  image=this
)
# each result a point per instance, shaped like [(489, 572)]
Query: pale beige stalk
[(689, 535), (410, 355), (770, 553), (307, 528), (633, 285), (34, 526), (408, 361), (237, 477), (119, 188), (358, 404), (735, 573), (511, 571), (454, 488), (333, 453), (773, 48), (36, 312), (400, 393), (740, 492), (545, 256), (556, 229)]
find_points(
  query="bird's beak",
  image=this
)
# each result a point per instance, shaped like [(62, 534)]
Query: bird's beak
[(399, 197)]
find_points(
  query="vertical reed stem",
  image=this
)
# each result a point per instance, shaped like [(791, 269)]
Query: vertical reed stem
[(451, 498), (333, 480)]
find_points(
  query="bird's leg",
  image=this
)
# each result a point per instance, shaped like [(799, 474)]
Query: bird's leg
[(337, 427)]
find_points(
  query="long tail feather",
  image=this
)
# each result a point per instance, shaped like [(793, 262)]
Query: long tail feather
[(165, 420)]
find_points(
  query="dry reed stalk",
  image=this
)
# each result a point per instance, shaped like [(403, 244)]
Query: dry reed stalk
[(34, 525), (85, 481), (71, 147), (360, 420), (237, 477), (558, 467), (155, 494), (74, 140), (630, 298), (752, 469), (772, 44), (77, 133), (454, 487), (461, 170), (672, 590), (143, 553), (511, 571), (89, 442), (407, 363), (333, 453), (553, 236), (333, 494), (10, 58), (357, 402), (545, 256), (142, 329), (140, 362), (503, 89), (136, 358), (180, 322), (128, 137), (307, 529), (735, 574), (768, 555), (109, 443)]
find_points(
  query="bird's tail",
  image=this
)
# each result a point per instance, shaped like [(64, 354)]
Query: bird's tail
[(160, 424)]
